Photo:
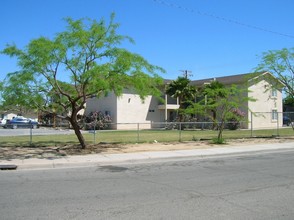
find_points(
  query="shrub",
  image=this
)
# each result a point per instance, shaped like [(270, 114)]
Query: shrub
[(97, 121), (235, 116), (218, 141)]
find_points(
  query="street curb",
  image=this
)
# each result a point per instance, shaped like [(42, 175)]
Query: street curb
[(98, 159)]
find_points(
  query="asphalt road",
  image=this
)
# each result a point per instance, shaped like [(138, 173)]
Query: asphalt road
[(251, 186)]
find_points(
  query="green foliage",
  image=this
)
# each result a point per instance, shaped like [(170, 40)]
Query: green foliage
[(281, 64), (17, 95), (218, 103), (181, 89), (289, 101), (1, 91), (60, 74), (233, 119), (218, 141)]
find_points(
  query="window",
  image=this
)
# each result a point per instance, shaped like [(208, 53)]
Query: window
[(274, 93), (274, 114)]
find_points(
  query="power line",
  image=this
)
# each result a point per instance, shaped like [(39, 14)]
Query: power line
[(172, 5)]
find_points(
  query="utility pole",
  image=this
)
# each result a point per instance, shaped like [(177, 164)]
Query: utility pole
[(187, 73)]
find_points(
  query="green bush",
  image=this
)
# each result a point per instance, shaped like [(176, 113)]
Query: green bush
[(233, 121), (218, 141)]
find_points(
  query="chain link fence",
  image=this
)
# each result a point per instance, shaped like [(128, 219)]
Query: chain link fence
[(265, 124)]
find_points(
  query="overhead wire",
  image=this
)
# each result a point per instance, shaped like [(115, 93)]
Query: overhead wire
[(190, 10)]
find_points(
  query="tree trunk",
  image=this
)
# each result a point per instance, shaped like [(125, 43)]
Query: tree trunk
[(214, 125), (220, 135), (220, 132), (78, 133)]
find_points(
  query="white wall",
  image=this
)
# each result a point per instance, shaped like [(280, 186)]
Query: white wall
[(108, 103)]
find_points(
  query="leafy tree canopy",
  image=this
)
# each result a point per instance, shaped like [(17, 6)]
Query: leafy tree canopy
[(289, 101), (219, 104), (83, 61), (181, 88), (281, 64)]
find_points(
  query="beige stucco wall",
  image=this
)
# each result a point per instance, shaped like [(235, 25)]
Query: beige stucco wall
[(131, 110), (127, 110), (264, 105)]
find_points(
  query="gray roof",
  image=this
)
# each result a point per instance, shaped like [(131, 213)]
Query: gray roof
[(226, 80), (229, 80)]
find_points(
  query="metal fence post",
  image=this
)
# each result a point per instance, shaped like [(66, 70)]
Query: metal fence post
[(31, 135), (94, 136), (180, 132), (138, 132), (251, 124), (278, 130), (95, 132)]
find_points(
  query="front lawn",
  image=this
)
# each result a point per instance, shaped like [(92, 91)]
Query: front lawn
[(139, 136)]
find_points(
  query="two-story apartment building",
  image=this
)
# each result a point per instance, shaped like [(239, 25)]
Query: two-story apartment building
[(128, 109)]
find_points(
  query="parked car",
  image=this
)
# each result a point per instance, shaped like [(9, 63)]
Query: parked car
[(21, 123), (286, 120), (3, 122)]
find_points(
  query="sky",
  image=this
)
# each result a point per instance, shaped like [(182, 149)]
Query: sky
[(210, 38)]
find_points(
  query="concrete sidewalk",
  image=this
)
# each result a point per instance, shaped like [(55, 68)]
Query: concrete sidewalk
[(95, 159)]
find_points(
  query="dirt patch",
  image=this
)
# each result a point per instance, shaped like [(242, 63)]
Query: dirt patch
[(9, 153)]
